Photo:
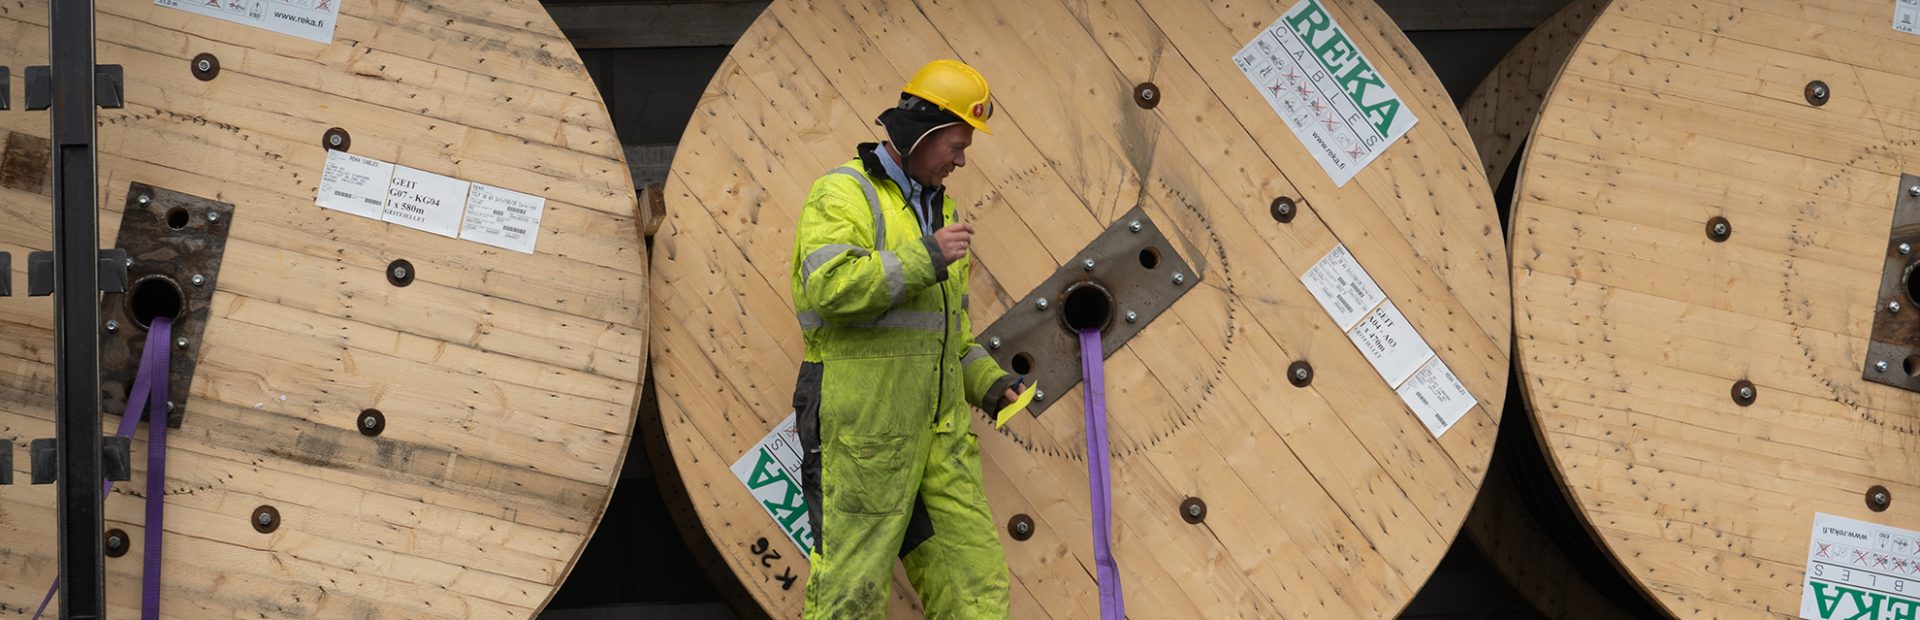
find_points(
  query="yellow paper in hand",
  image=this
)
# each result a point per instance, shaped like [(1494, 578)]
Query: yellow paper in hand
[(1018, 405)]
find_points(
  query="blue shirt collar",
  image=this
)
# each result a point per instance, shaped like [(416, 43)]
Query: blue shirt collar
[(909, 188)]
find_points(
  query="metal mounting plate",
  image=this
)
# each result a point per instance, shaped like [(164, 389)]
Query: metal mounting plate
[(166, 257), (1893, 353), (1133, 261)]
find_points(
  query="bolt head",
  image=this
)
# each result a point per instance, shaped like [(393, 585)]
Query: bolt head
[(180, 342), (1905, 249), (1133, 317), (1040, 303), (1023, 527), (1193, 510), (204, 65), (113, 326), (400, 272), (369, 422), (1746, 393), (1039, 394), (129, 262), (199, 280), (994, 342), (114, 542), (334, 140), (1147, 94), (1134, 226), (213, 217), (1720, 228), (1914, 191), (264, 519), (143, 199), (1880, 498), (1087, 264), (1880, 366), (1893, 306), (1179, 278), (1300, 374)]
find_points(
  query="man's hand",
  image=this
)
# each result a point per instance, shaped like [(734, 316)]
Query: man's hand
[(953, 240), (1012, 394)]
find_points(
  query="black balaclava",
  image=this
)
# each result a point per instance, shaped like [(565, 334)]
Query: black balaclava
[(912, 121)]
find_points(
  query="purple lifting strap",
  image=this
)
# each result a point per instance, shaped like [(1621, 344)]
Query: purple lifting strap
[(149, 387), (1112, 606)]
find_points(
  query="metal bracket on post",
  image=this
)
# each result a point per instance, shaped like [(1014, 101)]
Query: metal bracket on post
[(6, 273), (1128, 276), (6, 461), (40, 274), (116, 459), (39, 87), (109, 86), (6, 88)]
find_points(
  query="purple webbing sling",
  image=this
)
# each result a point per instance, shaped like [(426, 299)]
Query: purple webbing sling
[(1112, 606)]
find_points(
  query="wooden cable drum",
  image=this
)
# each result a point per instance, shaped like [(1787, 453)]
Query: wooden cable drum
[(1325, 500), (1521, 522), (1706, 274), (363, 437)]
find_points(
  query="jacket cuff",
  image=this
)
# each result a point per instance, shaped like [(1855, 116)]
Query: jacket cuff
[(939, 260), (996, 392)]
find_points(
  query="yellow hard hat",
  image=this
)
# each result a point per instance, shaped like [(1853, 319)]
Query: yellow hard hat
[(956, 88)]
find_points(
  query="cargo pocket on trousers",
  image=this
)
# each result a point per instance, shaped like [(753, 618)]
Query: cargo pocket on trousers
[(876, 478)]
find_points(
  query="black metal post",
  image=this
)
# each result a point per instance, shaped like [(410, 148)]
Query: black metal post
[(76, 295)]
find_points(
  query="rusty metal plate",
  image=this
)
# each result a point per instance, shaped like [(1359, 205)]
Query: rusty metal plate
[(1893, 355), (1121, 282), (175, 243)]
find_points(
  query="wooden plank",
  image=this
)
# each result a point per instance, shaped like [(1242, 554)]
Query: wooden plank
[(508, 380), (1633, 325), (1320, 505), (655, 24)]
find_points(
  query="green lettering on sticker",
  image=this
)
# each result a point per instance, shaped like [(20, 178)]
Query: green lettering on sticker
[(1342, 60), (1866, 605), (1314, 16), (792, 505)]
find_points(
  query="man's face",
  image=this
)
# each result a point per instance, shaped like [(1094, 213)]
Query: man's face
[(940, 154)]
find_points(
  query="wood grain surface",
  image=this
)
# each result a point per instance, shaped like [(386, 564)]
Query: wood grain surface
[(1330, 501), (508, 380), (1633, 326)]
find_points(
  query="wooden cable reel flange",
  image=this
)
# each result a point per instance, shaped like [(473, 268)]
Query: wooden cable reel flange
[(1708, 274), (1518, 522), (1103, 110), (355, 442)]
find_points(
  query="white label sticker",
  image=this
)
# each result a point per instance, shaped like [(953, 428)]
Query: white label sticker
[(1342, 287), (1437, 397), (354, 184), (503, 218), (1857, 569), (771, 472), (1391, 344), (1317, 80), (427, 201), (308, 19), (1906, 16)]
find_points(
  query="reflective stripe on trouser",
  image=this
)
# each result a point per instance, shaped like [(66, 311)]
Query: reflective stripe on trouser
[(876, 469)]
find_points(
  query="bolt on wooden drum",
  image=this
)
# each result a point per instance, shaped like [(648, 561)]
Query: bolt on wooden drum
[(1316, 495), (413, 404), (1714, 323)]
